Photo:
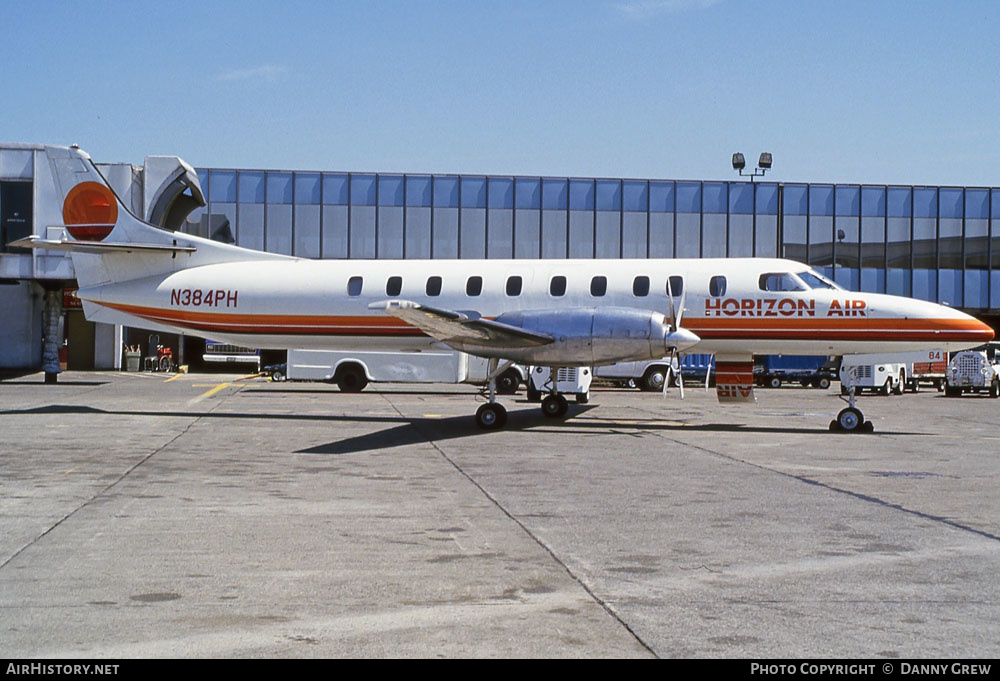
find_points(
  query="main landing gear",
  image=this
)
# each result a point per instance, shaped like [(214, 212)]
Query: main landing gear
[(850, 419), (493, 416)]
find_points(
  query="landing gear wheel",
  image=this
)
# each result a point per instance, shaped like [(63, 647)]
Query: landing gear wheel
[(508, 382), (555, 406), (491, 416), (351, 379), (850, 420)]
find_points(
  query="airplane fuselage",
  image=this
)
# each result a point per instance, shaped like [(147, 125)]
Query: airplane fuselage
[(299, 303)]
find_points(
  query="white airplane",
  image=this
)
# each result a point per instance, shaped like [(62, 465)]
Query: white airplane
[(558, 313)]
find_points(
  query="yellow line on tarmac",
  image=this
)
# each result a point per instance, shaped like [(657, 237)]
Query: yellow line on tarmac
[(214, 390), (173, 378)]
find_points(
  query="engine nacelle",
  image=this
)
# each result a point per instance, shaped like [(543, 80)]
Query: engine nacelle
[(593, 336)]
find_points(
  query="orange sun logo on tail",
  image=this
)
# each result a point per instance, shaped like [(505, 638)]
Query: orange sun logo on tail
[(90, 211)]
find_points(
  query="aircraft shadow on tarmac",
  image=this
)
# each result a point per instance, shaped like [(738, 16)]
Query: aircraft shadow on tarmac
[(409, 431)]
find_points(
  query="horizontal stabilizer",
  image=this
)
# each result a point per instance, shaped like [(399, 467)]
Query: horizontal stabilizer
[(35, 241)]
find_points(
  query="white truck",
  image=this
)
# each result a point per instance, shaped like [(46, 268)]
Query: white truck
[(352, 371), (650, 374), (974, 371), (877, 375)]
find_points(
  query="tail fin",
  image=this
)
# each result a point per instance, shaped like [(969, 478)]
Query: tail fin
[(107, 242)]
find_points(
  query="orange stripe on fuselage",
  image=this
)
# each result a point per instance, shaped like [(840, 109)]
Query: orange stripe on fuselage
[(861, 329)]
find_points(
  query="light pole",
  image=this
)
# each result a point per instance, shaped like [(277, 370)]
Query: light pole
[(763, 165)]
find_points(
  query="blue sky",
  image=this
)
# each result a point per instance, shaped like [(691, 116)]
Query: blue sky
[(875, 92)]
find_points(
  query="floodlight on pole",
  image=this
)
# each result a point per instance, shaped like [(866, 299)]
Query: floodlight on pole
[(763, 165)]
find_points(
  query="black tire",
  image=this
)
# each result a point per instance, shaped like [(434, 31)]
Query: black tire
[(165, 364), (491, 416), (351, 379), (774, 382), (508, 382), (995, 389), (915, 385), (850, 420), (277, 375), (897, 388), (886, 388), (823, 383), (555, 406), (653, 379)]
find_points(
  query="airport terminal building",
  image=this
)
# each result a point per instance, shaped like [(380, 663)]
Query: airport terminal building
[(936, 243)]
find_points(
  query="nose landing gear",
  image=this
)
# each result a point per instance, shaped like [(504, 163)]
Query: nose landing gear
[(850, 419)]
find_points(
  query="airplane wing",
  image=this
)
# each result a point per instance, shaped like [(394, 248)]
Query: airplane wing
[(461, 328)]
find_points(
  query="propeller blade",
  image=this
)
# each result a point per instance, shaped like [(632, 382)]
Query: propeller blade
[(673, 310), (680, 312), (666, 376)]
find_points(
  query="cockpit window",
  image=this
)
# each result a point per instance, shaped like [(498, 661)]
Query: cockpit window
[(815, 280), (781, 281)]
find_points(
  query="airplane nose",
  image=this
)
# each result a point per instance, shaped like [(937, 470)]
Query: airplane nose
[(965, 328), (983, 331)]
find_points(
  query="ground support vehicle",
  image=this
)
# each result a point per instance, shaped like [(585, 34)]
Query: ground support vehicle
[(226, 353), (974, 371), (861, 372), (930, 369), (352, 371), (808, 370), (568, 381)]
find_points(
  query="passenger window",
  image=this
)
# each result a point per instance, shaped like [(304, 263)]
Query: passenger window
[(640, 286), (514, 285), (394, 286), (675, 285), (717, 286), (474, 286), (598, 286), (354, 286), (557, 287), (433, 286)]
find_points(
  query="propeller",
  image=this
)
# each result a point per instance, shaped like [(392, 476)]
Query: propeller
[(680, 335)]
